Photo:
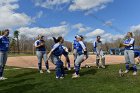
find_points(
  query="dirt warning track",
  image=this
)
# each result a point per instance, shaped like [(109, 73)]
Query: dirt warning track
[(32, 62)]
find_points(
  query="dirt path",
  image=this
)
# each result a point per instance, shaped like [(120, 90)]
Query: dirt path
[(31, 61)]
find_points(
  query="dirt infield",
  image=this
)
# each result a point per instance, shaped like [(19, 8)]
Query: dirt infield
[(31, 61)]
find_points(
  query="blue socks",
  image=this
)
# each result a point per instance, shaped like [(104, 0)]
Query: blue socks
[(39, 66), (47, 65), (59, 69), (127, 66), (1, 71), (77, 68), (135, 68)]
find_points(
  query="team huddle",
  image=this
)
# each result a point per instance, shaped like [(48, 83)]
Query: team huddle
[(79, 51)]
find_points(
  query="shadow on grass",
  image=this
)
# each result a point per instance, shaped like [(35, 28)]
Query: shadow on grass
[(106, 66), (90, 71), (15, 82), (20, 88), (25, 74)]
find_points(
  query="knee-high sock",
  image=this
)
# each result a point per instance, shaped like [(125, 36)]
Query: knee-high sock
[(59, 69), (1, 71), (103, 61), (47, 65), (77, 69), (62, 71), (127, 66), (134, 67), (39, 66)]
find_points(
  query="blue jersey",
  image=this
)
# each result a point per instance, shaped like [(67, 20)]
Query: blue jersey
[(58, 49), (75, 44), (42, 48), (129, 41), (80, 47), (4, 43), (97, 45)]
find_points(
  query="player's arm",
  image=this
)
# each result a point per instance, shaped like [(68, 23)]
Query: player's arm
[(54, 47), (55, 40), (50, 54), (130, 44), (84, 48), (65, 48), (37, 45), (0, 40), (94, 46)]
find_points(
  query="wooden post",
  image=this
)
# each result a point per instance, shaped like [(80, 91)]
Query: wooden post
[(33, 50)]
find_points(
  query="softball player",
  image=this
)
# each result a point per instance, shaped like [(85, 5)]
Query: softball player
[(99, 53), (74, 48), (81, 56), (4, 47), (66, 55), (55, 54), (41, 53), (129, 52)]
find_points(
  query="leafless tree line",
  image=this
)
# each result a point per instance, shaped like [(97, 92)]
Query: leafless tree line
[(24, 44)]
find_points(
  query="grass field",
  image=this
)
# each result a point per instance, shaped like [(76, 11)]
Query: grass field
[(92, 80)]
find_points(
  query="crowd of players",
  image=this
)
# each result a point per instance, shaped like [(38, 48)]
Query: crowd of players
[(79, 51)]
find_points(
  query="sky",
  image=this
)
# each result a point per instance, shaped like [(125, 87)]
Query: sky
[(111, 19)]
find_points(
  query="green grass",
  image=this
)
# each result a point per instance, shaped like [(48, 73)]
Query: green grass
[(92, 80)]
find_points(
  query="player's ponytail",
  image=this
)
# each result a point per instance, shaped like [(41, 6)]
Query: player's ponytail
[(131, 34), (55, 40), (60, 39)]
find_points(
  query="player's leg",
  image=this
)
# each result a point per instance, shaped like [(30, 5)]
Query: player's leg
[(78, 62), (46, 62), (62, 69), (127, 60), (75, 56), (1, 64), (58, 69), (39, 56), (56, 61), (102, 59), (68, 61), (3, 59), (131, 57), (97, 61), (103, 62)]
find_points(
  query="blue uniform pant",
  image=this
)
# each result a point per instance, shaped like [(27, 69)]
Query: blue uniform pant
[(78, 62), (75, 55), (59, 65), (42, 55), (129, 58), (3, 59)]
